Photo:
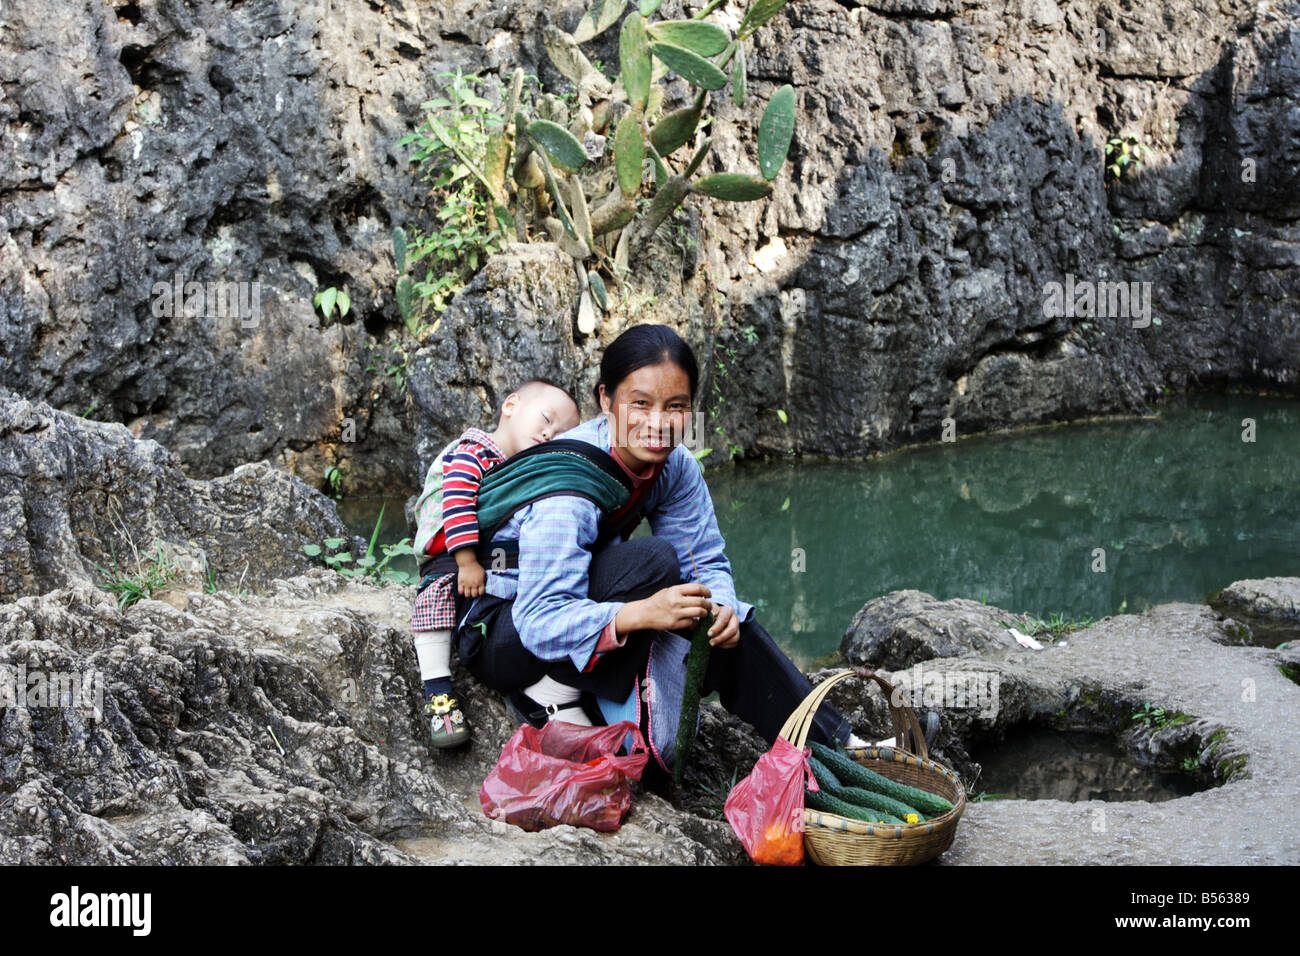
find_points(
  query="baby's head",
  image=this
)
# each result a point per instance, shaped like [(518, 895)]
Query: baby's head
[(535, 412)]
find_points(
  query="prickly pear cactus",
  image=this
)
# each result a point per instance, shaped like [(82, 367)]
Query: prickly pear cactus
[(600, 171)]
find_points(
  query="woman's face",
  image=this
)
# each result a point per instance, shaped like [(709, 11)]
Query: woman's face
[(648, 414)]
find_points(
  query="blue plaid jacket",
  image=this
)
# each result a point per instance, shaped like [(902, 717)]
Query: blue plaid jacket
[(551, 610)]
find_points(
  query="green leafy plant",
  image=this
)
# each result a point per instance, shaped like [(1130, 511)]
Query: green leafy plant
[(460, 137), (600, 167), (371, 564), (334, 481), (210, 580), (715, 795), (152, 576), (1055, 626), (396, 366), (1124, 153), (378, 568), (334, 557), (1159, 718), (1149, 715), (723, 356), (327, 299)]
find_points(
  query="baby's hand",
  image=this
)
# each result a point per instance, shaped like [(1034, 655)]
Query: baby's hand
[(470, 580)]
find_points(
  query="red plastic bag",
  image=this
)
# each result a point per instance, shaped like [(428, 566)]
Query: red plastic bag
[(766, 808), (564, 773)]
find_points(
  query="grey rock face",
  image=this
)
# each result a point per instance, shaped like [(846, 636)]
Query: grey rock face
[(947, 166), (903, 628), (162, 147), (77, 496), (1269, 606)]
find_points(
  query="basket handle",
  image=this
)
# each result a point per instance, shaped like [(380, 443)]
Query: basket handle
[(907, 730)]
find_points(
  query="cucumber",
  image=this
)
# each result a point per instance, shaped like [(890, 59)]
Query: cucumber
[(825, 777), (878, 801), (827, 803), (854, 774), (697, 662), (858, 796)]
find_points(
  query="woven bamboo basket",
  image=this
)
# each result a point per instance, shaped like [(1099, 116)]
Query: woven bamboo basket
[(833, 840)]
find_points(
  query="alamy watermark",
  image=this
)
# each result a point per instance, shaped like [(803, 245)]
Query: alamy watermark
[(948, 689), (208, 300), (29, 688), (1117, 300), (77, 909)]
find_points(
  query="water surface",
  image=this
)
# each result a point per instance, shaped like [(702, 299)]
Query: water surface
[(1179, 506)]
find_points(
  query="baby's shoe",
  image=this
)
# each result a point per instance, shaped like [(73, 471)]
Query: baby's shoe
[(446, 721)]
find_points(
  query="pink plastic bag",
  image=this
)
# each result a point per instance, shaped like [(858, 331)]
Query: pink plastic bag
[(766, 808), (564, 773)]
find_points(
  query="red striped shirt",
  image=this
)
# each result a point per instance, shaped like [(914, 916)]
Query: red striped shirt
[(465, 465), (462, 473)]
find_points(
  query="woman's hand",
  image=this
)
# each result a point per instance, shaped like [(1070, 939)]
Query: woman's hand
[(725, 631), (670, 609)]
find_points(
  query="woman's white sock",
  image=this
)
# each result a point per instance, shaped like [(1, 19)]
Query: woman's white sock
[(551, 693), (572, 715)]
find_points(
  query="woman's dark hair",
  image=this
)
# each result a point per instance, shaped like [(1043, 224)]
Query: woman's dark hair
[(640, 346)]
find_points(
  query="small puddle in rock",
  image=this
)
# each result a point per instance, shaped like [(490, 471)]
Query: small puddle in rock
[(1039, 763)]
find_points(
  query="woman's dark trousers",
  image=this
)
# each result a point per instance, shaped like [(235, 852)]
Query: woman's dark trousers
[(754, 680)]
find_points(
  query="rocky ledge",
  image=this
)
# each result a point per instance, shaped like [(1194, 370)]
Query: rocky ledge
[(1230, 721), (287, 728), (281, 728), (1269, 608)]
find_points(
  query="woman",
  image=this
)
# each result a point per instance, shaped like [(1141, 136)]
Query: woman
[(580, 614)]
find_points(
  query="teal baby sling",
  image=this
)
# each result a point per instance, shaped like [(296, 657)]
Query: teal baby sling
[(560, 467)]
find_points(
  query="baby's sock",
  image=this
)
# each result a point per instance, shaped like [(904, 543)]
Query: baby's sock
[(433, 651), (551, 693), (437, 685)]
